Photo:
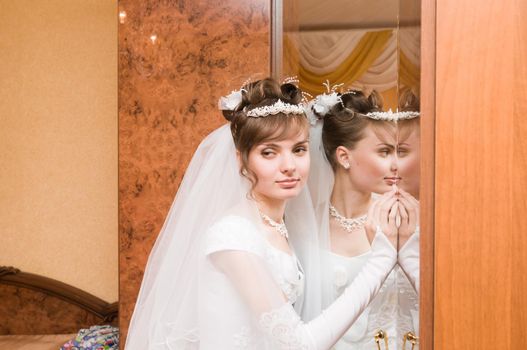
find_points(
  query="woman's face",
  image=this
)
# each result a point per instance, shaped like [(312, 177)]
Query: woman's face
[(373, 162), (408, 154), (281, 167)]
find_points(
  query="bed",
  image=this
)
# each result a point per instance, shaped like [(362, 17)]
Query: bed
[(40, 313)]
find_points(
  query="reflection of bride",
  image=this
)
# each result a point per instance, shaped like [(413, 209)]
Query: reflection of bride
[(357, 152), (222, 274), (408, 153)]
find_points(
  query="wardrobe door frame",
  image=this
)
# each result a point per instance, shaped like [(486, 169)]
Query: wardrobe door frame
[(427, 181)]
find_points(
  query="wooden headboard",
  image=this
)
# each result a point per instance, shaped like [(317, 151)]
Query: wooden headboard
[(33, 304)]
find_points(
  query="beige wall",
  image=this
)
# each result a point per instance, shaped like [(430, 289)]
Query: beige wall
[(58, 141)]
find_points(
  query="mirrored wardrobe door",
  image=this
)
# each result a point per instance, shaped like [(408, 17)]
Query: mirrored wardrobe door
[(365, 48), (408, 160)]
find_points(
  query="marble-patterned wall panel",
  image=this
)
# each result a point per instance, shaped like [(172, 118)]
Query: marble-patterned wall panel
[(176, 58)]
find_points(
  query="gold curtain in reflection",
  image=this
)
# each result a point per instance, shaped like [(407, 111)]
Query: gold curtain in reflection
[(353, 67), (409, 74)]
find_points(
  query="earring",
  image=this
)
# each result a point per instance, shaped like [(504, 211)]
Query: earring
[(346, 166)]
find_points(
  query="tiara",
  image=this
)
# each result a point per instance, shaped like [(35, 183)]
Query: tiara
[(392, 116), (275, 108)]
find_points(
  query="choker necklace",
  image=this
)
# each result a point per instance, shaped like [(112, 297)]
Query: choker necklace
[(280, 227), (348, 224)]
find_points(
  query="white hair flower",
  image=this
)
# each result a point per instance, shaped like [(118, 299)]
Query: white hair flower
[(323, 103), (231, 101)]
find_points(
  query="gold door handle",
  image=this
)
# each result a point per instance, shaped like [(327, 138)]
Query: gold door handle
[(411, 338), (380, 335)]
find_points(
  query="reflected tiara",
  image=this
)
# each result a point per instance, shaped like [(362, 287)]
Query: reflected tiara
[(277, 107), (392, 116)]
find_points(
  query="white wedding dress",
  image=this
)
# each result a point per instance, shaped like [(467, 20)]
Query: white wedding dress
[(250, 288), (393, 310)]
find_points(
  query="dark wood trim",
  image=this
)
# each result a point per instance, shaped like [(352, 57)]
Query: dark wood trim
[(354, 26), (427, 190), (276, 40), (13, 276)]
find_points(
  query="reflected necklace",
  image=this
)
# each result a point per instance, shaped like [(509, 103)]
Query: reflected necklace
[(280, 227), (348, 224)]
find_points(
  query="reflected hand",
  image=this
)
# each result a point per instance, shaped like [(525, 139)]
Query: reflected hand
[(408, 210), (382, 213)]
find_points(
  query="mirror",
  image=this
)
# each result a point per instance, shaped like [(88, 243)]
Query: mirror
[(364, 46)]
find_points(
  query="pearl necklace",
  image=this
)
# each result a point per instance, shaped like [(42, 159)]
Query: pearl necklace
[(348, 224), (280, 227)]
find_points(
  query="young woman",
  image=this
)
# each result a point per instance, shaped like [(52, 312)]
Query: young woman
[(222, 274), (358, 144)]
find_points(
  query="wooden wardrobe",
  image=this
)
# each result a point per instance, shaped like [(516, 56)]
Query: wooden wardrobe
[(474, 165)]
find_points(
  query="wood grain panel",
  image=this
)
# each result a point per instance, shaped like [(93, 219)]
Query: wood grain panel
[(176, 58), (474, 229), (428, 74), (519, 172)]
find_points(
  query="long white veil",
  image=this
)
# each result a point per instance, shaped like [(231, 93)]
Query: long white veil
[(167, 305), (320, 184)]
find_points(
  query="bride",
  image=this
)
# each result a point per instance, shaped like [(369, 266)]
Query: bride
[(222, 273)]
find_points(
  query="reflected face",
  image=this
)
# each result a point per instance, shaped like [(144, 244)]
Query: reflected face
[(281, 167), (408, 154), (373, 162)]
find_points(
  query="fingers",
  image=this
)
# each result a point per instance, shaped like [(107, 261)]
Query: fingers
[(392, 216), (413, 212), (403, 213), (388, 214), (409, 197), (383, 213)]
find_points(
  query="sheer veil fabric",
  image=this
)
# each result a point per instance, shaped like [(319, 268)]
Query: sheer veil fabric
[(171, 298), (320, 184)]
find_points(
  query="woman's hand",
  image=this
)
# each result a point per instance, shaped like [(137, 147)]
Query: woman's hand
[(408, 210), (382, 213)]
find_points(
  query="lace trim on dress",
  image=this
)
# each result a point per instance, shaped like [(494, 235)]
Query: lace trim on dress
[(282, 326), (409, 304)]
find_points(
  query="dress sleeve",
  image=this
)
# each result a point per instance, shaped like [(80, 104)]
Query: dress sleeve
[(233, 233), (277, 319), (409, 259)]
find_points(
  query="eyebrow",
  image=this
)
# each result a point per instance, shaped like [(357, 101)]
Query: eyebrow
[(385, 144), (301, 142), (277, 146)]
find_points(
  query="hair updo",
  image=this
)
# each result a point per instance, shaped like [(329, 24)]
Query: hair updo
[(249, 132), (408, 102), (345, 122)]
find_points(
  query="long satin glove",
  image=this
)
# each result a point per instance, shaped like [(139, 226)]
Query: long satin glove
[(325, 330), (408, 259), (329, 327)]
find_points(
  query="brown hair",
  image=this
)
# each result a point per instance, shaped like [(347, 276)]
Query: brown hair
[(345, 123), (408, 102), (249, 132)]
